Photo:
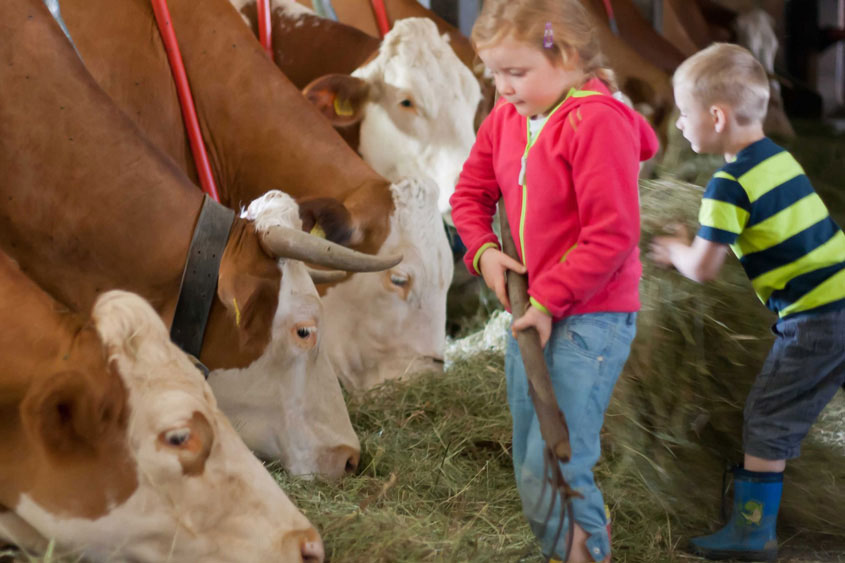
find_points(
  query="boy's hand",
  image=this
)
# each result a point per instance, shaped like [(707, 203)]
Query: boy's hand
[(660, 249), (493, 265), (699, 260), (536, 318)]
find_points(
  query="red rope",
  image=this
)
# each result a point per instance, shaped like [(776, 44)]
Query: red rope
[(189, 112), (381, 17), (265, 33)]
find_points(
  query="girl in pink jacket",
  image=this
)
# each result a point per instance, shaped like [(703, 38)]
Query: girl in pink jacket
[(564, 154)]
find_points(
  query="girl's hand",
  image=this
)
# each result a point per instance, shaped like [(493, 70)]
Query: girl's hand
[(493, 265), (536, 318)]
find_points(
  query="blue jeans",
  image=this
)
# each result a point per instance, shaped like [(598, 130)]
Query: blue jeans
[(585, 355)]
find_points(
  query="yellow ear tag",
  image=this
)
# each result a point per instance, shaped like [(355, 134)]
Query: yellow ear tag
[(237, 312), (343, 108), (318, 231)]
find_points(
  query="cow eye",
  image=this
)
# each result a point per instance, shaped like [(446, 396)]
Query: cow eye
[(399, 280), (406, 103), (305, 331), (177, 437), (305, 335)]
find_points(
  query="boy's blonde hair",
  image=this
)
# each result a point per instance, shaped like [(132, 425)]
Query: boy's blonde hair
[(572, 31), (728, 74)]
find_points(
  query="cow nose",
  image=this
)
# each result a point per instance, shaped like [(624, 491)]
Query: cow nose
[(307, 543), (339, 461), (312, 552)]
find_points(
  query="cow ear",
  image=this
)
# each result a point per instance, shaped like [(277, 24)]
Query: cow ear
[(329, 218), (250, 302), (339, 97), (65, 413)]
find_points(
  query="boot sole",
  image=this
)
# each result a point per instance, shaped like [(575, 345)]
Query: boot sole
[(723, 555)]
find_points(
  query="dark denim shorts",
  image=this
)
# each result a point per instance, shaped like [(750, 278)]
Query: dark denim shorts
[(803, 371)]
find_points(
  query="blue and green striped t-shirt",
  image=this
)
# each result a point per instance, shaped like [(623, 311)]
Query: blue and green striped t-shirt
[(763, 205)]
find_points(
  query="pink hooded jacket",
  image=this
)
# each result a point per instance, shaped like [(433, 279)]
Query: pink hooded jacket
[(572, 201)]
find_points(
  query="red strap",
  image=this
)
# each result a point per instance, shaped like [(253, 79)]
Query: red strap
[(608, 7), (265, 32), (381, 17), (189, 112)]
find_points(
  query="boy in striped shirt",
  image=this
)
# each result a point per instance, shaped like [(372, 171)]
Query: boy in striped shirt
[(762, 206)]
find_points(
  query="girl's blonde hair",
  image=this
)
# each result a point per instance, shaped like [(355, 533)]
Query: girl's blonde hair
[(572, 31), (728, 74)]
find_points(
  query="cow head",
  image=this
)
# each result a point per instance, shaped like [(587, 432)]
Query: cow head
[(137, 463), (287, 404), (385, 325), (416, 102)]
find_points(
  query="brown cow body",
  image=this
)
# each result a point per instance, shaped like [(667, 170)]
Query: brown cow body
[(113, 446), (89, 205)]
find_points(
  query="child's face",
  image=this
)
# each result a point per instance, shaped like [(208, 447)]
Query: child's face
[(526, 78), (696, 123)]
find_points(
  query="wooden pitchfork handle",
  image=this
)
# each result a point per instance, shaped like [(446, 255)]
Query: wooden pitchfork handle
[(552, 421)]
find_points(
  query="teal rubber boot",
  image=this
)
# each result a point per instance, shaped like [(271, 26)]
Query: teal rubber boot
[(750, 534)]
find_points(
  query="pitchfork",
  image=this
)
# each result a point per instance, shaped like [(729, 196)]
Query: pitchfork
[(552, 421)]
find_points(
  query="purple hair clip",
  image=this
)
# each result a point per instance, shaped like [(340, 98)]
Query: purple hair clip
[(548, 37)]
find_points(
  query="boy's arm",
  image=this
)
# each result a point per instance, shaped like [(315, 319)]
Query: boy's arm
[(700, 261)]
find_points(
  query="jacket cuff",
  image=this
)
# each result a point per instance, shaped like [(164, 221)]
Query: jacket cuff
[(537, 305), (478, 254)]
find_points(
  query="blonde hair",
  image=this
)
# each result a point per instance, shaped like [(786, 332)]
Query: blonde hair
[(728, 74), (572, 31)]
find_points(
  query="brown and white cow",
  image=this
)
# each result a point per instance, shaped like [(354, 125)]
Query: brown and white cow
[(408, 101), (113, 445), (262, 134), (88, 204)]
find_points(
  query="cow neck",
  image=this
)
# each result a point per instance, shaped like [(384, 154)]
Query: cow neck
[(186, 100), (109, 211), (199, 278)]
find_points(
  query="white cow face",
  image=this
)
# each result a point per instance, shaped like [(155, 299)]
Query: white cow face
[(201, 494), (418, 120), (386, 325), (288, 405)]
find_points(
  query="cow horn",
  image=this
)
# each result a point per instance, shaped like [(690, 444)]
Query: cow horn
[(286, 242), (326, 276)]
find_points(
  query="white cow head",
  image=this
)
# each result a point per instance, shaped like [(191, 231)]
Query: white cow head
[(201, 495), (385, 325), (288, 404), (416, 102)]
